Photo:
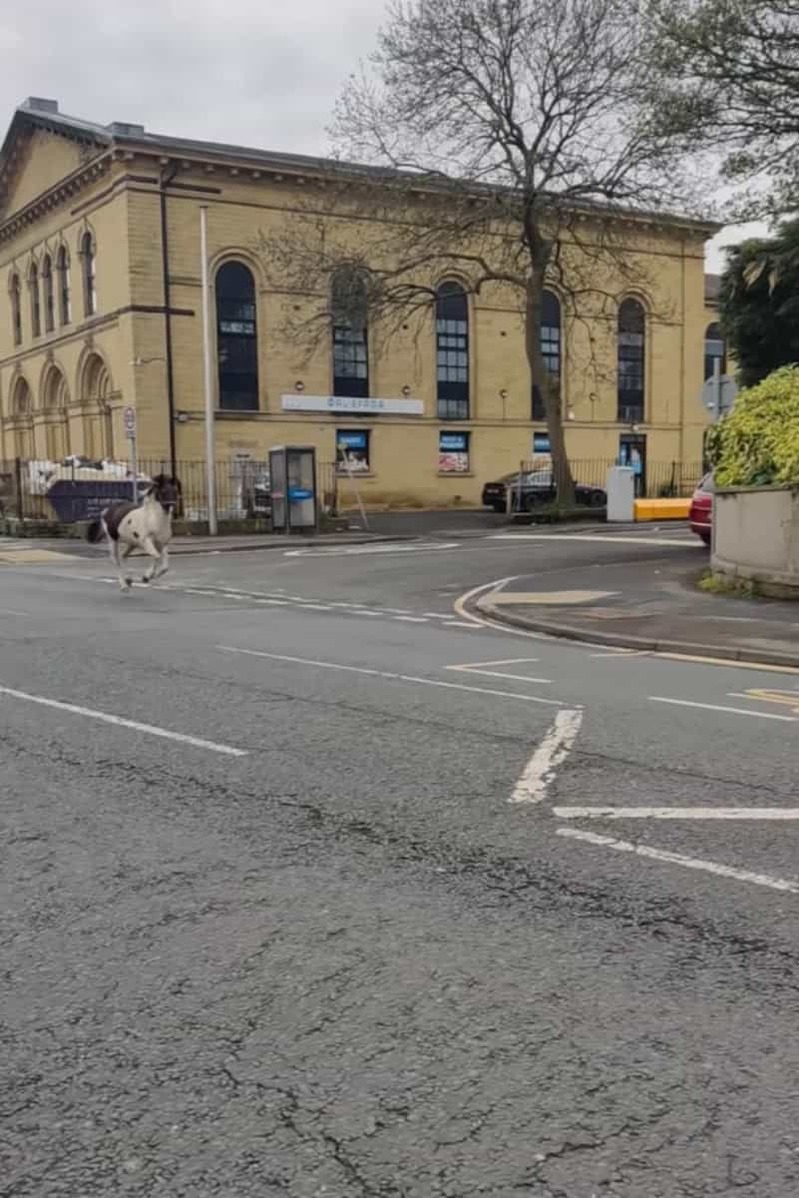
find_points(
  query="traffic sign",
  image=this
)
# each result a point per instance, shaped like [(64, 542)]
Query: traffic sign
[(129, 421)]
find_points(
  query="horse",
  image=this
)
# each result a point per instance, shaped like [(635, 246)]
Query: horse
[(146, 526)]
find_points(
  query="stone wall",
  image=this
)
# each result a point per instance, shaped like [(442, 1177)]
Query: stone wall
[(756, 536)]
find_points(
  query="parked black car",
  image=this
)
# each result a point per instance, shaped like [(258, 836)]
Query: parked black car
[(535, 489)]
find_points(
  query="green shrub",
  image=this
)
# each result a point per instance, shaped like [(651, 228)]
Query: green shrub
[(757, 444)]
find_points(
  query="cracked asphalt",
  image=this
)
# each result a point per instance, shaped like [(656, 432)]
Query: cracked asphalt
[(343, 965)]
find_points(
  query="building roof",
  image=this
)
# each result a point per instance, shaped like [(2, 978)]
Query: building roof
[(45, 113)]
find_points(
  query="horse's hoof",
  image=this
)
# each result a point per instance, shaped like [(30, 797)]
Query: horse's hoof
[(145, 579)]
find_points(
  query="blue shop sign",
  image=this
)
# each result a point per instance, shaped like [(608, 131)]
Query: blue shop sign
[(298, 493), (352, 440), (453, 442)]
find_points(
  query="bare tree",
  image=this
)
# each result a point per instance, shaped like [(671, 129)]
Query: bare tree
[(725, 74), (505, 144)]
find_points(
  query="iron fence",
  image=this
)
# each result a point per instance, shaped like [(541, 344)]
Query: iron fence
[(653, 480), (78, 489)]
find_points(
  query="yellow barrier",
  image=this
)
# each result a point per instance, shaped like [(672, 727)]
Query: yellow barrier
[(662, 509)]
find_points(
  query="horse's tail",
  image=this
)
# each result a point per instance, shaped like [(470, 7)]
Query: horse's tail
[(94, 533)]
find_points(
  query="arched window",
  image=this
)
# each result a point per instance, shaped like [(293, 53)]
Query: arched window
[(89, 263), (94, 390), (54, 397), (49, 296), (349, 302), (15, 295), (36, 301), (631, 350), (550, 350), (452, 352), (715, 350), (236, 338), (21, 409), (64, 301)]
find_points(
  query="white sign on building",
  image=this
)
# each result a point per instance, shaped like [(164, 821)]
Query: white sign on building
[(359, 405)]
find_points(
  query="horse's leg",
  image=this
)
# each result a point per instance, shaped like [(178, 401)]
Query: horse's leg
[(113, 547), (125, 554), (163, 564), (149, 546)]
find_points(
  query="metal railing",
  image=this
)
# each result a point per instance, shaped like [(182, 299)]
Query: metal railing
[(653, 480), (77, 489)]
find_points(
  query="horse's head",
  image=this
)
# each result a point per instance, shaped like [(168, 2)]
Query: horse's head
[(166, 490)]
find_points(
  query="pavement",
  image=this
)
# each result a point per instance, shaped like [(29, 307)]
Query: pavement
[(651, 604), (319, 883)]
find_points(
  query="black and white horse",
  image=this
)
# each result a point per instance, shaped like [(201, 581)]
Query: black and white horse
[(146, 526)]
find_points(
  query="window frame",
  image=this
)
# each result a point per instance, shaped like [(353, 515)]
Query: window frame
[(452, 453), (366, 434), (15, 299), (242, 342), (633, 354), (350, 348), (64, 286), (538, 409), (49, 293), (453, 395), (88, 255)]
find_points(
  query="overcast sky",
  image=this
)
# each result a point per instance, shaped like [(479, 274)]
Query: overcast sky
[(262, 73)]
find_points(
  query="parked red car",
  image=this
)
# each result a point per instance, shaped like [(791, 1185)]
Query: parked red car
[(700, 513)]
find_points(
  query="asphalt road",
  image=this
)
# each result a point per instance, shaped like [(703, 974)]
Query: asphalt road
[(274, 925)]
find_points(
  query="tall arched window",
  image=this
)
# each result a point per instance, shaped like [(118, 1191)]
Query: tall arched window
[(21, 410), (550, 350), (64, 301), (54, 401), (88, 258), (631, 351), (715, 350), (49, 296), (452, 352), (15, 296), (349, 302), (36, 301), (236, 338)]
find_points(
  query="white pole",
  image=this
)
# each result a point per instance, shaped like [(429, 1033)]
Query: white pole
[(717, 388), (210, 455), (134, 467)]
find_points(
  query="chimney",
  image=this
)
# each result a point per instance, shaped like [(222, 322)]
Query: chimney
[(125, 129), (39, 104)]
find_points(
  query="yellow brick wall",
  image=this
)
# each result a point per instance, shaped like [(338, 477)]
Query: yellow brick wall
[(129, 333)]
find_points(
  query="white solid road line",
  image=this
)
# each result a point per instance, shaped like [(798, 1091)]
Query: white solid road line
[(119, 721), (710, 867), (762, 715), (552, 752), (334, 665), (701, 813), (459, 606), (609, 540)]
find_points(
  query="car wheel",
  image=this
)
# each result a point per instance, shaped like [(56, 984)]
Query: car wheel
[(706, 537), (597, 499), (499, 508), (530, 502)]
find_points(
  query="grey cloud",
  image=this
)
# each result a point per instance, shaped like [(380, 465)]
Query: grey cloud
[(254, 72)]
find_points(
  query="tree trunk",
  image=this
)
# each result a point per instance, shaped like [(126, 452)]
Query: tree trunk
[(561, 470)]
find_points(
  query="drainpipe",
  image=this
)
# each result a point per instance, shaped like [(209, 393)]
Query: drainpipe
[(166, 178)]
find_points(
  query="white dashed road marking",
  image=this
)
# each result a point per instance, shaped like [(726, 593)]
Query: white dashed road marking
[(679, 813), (106, 718), (762, 715), (653, 854), (334, 665)]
